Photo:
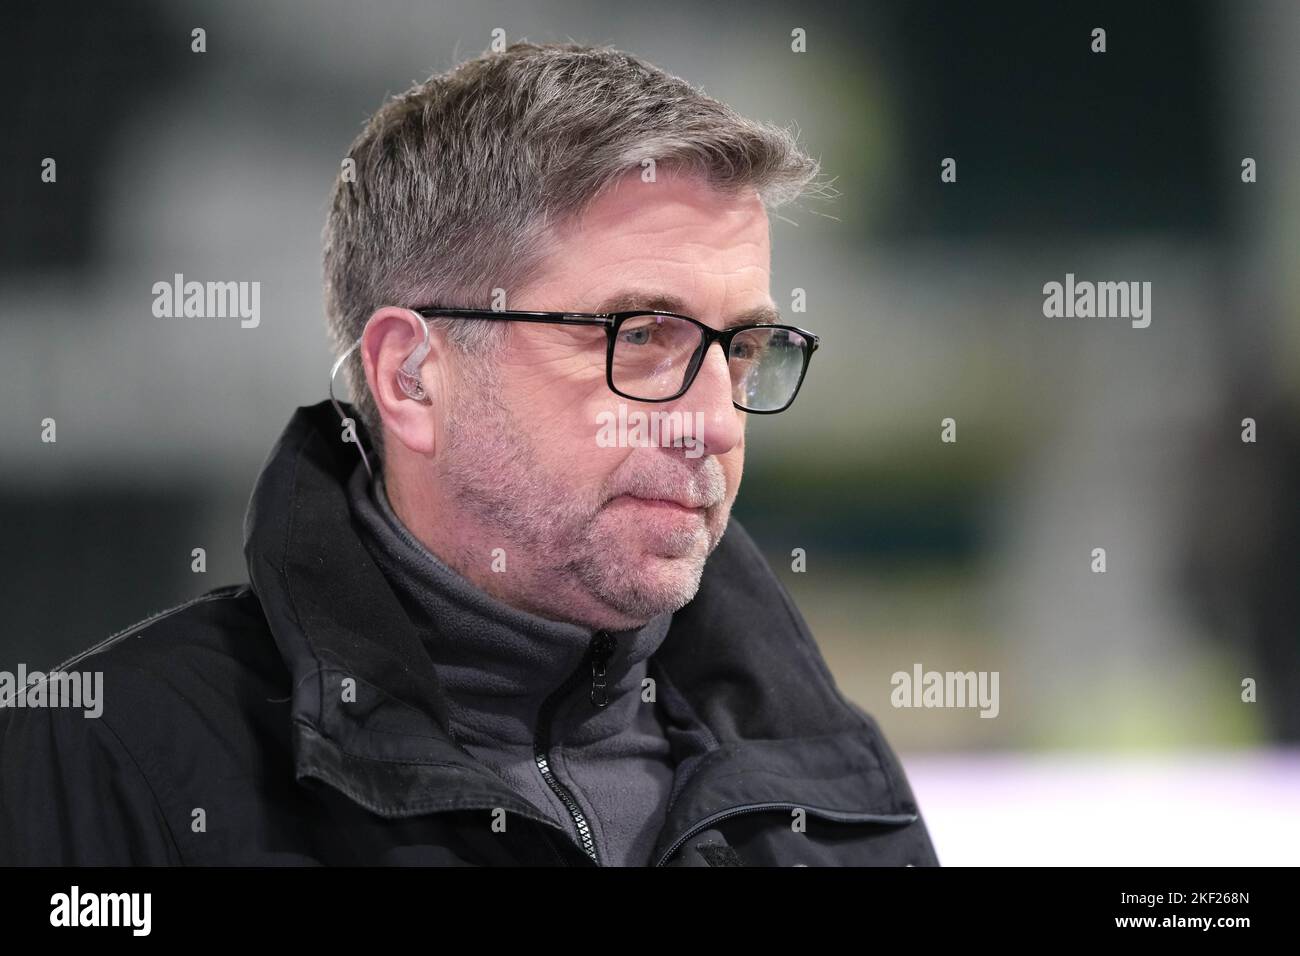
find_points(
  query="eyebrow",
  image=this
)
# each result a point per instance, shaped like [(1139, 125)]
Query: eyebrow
[(632, 299)]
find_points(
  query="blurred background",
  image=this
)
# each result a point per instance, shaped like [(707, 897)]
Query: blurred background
[(1122, 736)]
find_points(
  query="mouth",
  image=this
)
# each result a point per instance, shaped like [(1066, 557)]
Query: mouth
[(664, 504)]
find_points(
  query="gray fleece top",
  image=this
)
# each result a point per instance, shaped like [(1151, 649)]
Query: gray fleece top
[(497, 665)]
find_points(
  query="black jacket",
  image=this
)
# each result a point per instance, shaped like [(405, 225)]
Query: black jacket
[(225, 738)]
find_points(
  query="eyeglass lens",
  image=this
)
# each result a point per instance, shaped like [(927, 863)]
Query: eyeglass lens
[(654, 354)]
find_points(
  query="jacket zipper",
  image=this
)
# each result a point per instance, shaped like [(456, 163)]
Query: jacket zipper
[(598, 653), (843, 816)]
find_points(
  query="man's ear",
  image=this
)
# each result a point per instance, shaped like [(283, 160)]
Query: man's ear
[(391, 335)]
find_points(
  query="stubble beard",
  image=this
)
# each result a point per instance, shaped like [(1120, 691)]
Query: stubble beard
[(493, 471)]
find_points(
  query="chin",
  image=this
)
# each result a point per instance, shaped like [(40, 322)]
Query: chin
[(677, 553), (673, 575), (658, 594)]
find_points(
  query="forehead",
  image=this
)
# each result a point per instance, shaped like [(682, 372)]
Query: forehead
[(662, 245), (677, 209)]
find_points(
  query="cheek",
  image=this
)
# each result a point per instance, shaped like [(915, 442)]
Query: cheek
[(552, 359), (575, 442), (560, 398)]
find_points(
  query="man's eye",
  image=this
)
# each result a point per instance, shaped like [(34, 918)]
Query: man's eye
[(636, 336)]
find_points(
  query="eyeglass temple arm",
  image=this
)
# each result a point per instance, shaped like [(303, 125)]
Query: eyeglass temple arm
[(564, 318)]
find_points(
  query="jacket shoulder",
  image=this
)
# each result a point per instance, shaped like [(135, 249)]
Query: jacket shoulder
[(210, 659), (172, 709)]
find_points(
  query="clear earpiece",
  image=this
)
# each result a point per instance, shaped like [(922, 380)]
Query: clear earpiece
[(408, 380), (408, 376)]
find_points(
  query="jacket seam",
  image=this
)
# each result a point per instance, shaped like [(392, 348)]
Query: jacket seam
[(416, 808), (401, 761), (167, 827), (241, 590)]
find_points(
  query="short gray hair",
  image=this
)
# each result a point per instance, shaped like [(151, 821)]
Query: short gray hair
[(459, 181)]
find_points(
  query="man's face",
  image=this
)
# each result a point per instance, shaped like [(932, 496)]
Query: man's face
[(599, 538)]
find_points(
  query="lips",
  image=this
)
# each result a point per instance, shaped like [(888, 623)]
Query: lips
[(674, 503)]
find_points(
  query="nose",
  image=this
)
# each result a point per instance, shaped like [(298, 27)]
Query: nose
[(722, 424)]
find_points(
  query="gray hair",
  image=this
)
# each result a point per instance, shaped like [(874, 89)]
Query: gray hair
[(460, 180)]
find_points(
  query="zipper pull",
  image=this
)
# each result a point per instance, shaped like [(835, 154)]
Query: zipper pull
[(602, 646)]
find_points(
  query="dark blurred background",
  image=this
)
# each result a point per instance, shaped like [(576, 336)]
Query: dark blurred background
[(1072, 433)]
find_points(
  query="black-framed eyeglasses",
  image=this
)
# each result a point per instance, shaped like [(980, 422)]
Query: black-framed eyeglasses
[(654, 356)]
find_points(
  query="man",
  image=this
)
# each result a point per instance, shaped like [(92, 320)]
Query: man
[(480, 628)]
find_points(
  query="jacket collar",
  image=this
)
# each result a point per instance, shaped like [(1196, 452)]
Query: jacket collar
[(762, 721)]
